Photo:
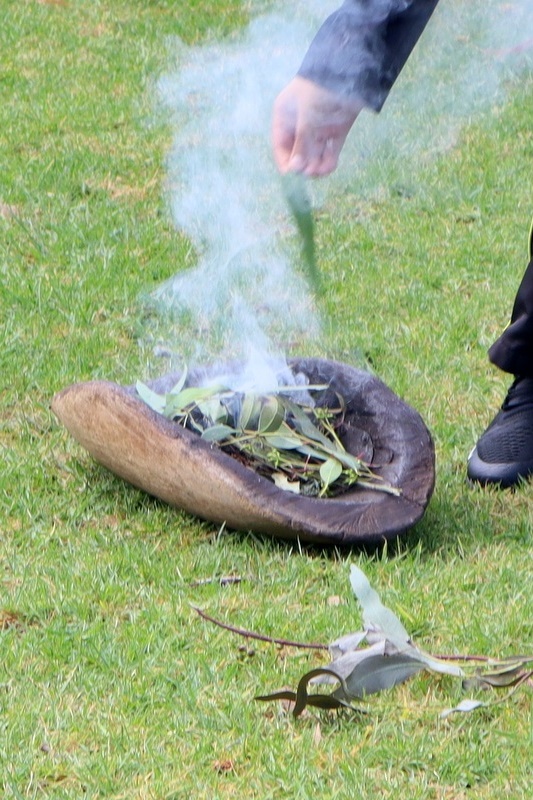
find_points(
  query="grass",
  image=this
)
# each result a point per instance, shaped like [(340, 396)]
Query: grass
[(110, 685)]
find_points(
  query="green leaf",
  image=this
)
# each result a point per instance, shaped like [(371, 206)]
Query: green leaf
[(214, 410), (181, 382), (304, 425), (191, 396), (295, 190), (347, 459), (271, 416), (217, 433), (312, 454), (282, 442), (156, 401), (250, 410), (330, 471), (375, 614)]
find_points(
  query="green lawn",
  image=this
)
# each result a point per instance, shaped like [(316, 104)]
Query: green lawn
[(110, 684)]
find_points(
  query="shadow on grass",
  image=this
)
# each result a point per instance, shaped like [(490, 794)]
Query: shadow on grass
[(459, 519)]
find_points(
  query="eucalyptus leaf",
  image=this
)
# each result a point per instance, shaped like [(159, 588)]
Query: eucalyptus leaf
[(497, 680), (295, 191), (344, 666), (323, 701), (375, 614), (217, 433), (271, 416), (434, 664), (313, 453), (328, 702), (176, 389), (282, 442), (214, 410), (344, 644), (303, 424), (282, 694), (156, 401), (302, 696), (192, 395), (350, 461), (465, 707), (249, 413), (377, 673), (330, 471)]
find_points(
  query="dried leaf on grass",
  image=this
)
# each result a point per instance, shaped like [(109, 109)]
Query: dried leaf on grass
[(383, 655)]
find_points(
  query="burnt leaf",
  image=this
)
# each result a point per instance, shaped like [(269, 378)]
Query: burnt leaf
[(302, 698)]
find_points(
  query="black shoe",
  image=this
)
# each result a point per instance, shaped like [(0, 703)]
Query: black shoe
[(504, 453)]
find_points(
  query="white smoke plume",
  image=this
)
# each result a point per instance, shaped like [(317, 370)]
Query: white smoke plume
[(246, 296)]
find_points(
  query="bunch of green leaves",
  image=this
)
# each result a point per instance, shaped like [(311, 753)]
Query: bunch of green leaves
[(297, 197), (390, 657), (281, 436)]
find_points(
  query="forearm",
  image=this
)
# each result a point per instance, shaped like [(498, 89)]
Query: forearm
[(360, 49)]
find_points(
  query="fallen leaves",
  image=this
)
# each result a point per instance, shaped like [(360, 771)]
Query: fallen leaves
[(383, 655)]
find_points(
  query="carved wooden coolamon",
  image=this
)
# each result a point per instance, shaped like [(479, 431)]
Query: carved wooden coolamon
[(162, 458)]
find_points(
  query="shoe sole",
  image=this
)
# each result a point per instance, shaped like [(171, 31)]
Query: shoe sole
[(504, 475)]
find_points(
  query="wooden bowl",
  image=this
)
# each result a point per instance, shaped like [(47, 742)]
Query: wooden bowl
[(164, 459)]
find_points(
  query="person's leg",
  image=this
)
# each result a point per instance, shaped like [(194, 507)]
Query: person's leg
[(504, 453)]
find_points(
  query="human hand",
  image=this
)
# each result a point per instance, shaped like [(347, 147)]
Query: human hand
[(309, 127)]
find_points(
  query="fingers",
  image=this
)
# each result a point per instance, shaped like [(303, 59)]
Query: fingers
[(317, 157), (299, 150), (309, 128), (283, 140)]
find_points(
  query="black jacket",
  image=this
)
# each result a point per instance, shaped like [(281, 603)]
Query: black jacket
[(361, 48)]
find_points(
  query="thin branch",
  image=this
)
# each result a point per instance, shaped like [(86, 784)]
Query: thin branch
[(453, 657), (259, 636), (486, 659), (225, 580)]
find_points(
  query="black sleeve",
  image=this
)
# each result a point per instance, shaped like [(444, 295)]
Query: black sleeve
[(360, 49)]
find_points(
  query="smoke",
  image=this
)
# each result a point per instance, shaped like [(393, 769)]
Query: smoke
[(471, 52), (246, 295)]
